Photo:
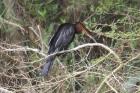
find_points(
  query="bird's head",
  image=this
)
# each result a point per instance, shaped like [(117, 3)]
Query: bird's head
[(80, 28)]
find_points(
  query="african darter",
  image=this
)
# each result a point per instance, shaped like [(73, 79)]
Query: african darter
[(61, 40)]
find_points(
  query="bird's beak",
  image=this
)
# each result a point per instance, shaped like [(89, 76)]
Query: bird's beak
[(89, 34)]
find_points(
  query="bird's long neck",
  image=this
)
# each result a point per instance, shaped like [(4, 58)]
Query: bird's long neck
[(81, 28)]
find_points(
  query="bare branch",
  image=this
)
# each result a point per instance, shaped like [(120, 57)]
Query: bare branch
[(11, 23), (2, 90)]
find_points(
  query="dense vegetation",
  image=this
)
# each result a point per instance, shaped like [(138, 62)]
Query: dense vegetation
[(27, 25)]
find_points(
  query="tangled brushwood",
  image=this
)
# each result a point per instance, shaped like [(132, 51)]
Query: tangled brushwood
[(109, 62)]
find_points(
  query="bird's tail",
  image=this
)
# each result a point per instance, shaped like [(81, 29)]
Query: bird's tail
[(47, 65)]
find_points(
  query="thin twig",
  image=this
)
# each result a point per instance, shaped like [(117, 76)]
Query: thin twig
[(112, 88), (11, 23), (108, 76)]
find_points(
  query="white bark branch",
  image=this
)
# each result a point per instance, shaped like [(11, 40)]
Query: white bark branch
[(2, 90)]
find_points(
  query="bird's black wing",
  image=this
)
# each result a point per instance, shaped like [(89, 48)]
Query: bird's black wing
[(68, 36), (61, 39), (53, 41)]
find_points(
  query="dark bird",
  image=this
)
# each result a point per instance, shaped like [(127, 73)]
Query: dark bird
[(61, 40)]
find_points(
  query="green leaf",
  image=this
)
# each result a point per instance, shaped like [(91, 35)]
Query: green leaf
[(42, 13)]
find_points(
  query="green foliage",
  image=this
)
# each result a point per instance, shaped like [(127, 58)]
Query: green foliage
[(121, 16), (2, 9), (42, 13), (107, 5)]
